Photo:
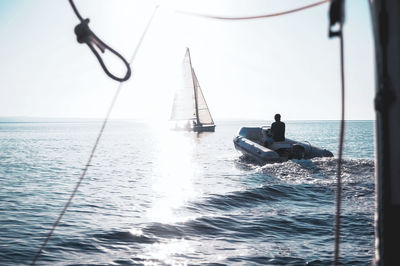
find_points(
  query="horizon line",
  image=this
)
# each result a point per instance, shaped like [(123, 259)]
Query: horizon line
[(38, 119)]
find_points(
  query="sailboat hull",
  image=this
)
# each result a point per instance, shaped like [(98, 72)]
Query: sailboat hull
[(188, 126), (204, 128)]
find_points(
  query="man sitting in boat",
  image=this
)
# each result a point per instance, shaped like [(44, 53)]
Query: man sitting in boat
[(278, 129)]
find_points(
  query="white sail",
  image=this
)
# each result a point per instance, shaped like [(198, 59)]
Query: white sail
[(204, 114), (184, 102)]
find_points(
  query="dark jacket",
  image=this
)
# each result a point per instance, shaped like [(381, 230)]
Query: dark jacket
[(278, 131)]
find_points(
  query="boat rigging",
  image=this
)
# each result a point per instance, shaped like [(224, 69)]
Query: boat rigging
[(85, 35)]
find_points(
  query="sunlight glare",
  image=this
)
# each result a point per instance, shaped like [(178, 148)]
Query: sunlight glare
[(166, 252), (174, 185)]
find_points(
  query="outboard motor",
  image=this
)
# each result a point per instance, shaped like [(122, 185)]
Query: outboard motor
[(298, 151)]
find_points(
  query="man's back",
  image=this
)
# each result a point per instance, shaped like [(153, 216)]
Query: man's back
[(278, 131)]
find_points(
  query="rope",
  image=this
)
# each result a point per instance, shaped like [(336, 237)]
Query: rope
[(256, 17), (81, 177), (94, 147), (76, 10), (85, 35), (336, 14), (340, 162)]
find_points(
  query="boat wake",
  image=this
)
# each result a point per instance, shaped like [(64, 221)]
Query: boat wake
[(321, 170)]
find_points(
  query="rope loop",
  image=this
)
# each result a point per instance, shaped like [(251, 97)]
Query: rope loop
[(85, 35)]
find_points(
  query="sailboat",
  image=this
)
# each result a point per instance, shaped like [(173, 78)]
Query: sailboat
[(190, 111)]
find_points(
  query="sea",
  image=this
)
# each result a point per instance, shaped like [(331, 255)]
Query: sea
[(154, 196)]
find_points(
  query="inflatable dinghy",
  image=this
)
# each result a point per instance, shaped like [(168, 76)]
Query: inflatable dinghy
[(257, 143)]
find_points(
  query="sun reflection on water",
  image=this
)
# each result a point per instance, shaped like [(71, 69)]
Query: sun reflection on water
[(174, 184), (169, 252)]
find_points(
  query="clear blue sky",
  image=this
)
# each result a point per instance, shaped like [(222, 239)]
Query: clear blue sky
[(247, 69)]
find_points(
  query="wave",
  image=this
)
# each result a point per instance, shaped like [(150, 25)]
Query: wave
[(118, 237), (312, 181), (321, 170)]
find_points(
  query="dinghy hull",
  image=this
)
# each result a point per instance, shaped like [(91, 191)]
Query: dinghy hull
[(253, 143)]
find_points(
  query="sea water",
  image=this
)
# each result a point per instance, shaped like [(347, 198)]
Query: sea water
[(153, 196)]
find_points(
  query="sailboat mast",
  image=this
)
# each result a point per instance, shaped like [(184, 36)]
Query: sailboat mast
[(194, 89)]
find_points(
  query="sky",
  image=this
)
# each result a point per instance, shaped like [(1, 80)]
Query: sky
[(246, 69)]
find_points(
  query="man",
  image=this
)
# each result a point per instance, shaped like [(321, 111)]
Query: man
[(278, 129)]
